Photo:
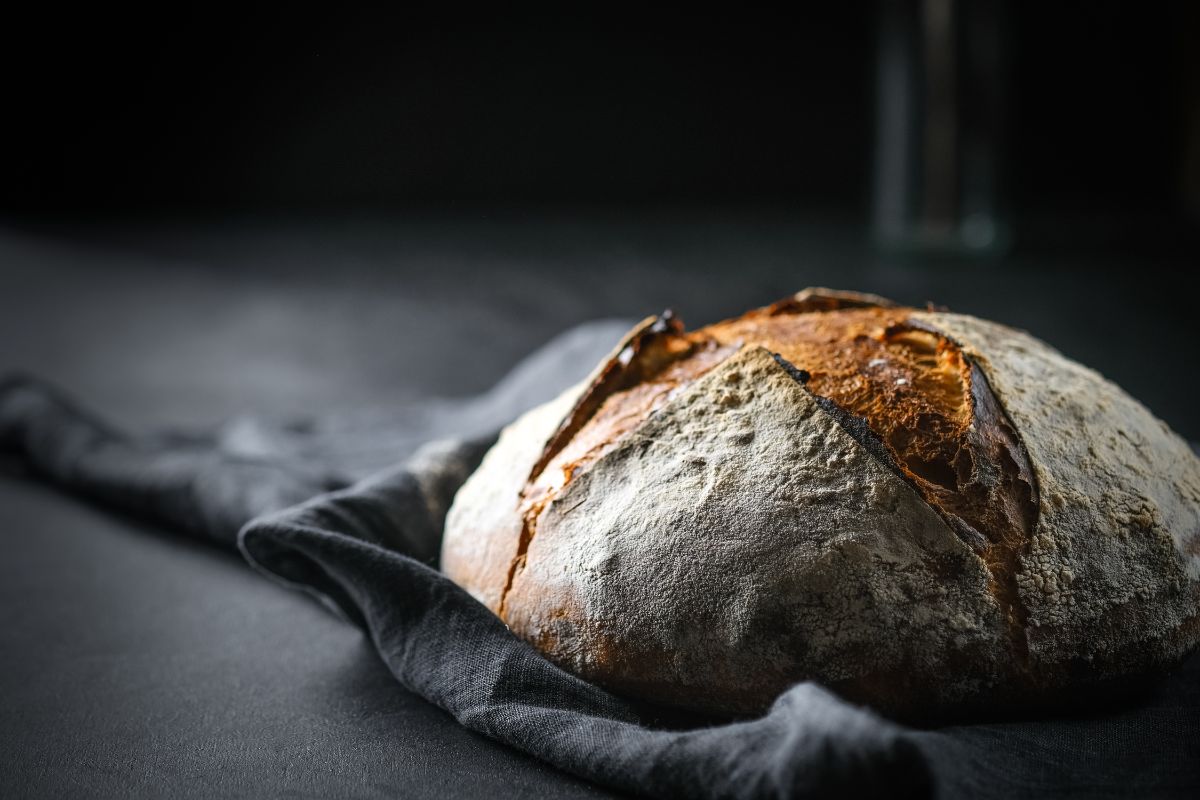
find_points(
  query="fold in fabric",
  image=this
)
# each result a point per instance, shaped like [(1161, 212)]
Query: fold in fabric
[(319, 509), (441, 643)]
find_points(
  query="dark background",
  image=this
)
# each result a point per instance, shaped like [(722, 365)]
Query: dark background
[(239, 212), (253, 111), (605, 164)]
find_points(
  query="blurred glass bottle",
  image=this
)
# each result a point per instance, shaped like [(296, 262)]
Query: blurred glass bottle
[(939, 128)]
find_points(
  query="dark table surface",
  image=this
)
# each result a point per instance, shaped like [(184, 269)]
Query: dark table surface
[(134, 662)]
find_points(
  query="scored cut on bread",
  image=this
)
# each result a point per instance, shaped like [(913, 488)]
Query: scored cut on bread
[(837, 488)]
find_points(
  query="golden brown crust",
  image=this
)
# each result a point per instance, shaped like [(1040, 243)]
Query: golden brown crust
[(1110, 579), (919, 395), (837, 488), (652, 342), (740, 541), (486, 533)]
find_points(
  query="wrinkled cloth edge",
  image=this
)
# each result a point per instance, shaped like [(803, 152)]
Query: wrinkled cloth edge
[(809, 744)]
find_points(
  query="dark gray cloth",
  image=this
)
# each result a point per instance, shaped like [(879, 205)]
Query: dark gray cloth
[(319, 509)]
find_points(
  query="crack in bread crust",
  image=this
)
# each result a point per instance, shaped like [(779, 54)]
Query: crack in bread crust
[(1019, 496), (643, 360), (905, 391), (1000, 556), (705, 529)]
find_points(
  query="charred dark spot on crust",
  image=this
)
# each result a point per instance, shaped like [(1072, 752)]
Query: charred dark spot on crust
[(801, 376)]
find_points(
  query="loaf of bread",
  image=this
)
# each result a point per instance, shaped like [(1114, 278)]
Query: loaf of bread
[(922, 510)]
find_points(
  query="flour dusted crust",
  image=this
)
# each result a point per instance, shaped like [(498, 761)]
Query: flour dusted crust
[(486, 542), (704, 522), (687, 563), (487, 530), (1111, 576)]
